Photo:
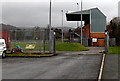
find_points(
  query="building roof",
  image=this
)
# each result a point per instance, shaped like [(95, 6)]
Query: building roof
[(84, 11)]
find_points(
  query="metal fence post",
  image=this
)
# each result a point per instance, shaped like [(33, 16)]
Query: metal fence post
[(15, 38), (106, 41), (44, 41), (54, 42)]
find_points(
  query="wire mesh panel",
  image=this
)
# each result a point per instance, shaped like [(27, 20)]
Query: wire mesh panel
[(112, 41), (85, 41), (33, 40)]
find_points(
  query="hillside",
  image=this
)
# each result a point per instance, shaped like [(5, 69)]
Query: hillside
[(7, 27), (11, 27)]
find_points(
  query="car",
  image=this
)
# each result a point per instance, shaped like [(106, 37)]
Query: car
[(2, 48)]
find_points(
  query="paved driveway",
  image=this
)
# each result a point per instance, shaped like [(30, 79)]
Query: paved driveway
[(56, 67)]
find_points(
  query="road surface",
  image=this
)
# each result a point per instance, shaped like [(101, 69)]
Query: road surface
[(56, 67)]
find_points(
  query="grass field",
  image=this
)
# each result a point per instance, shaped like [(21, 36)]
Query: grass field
[(59, 47), (114, 50)]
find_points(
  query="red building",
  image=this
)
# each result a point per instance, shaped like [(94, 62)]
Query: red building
[(95, 39), (5, 35)]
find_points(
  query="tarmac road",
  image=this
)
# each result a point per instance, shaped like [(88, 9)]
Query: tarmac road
[(56, 67)]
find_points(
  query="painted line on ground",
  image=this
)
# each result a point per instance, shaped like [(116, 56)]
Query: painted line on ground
[(101, 68)]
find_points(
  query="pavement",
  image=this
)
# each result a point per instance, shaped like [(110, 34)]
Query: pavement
[(111, 68)]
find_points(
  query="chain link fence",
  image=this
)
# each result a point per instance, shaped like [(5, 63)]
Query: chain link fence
[(33, 40)]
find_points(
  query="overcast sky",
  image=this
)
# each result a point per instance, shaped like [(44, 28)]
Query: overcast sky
[(27, 13)]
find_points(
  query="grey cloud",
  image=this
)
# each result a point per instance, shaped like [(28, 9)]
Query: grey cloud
[(37, 13), (25, 14)]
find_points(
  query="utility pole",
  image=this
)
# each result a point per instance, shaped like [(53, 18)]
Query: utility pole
[(50, 16), (77, 10), (62, 25), (81, 22), (50, 38)]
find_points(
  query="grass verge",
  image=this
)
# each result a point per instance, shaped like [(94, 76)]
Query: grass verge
[(114, 50), (70, 47), (29, 55)]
